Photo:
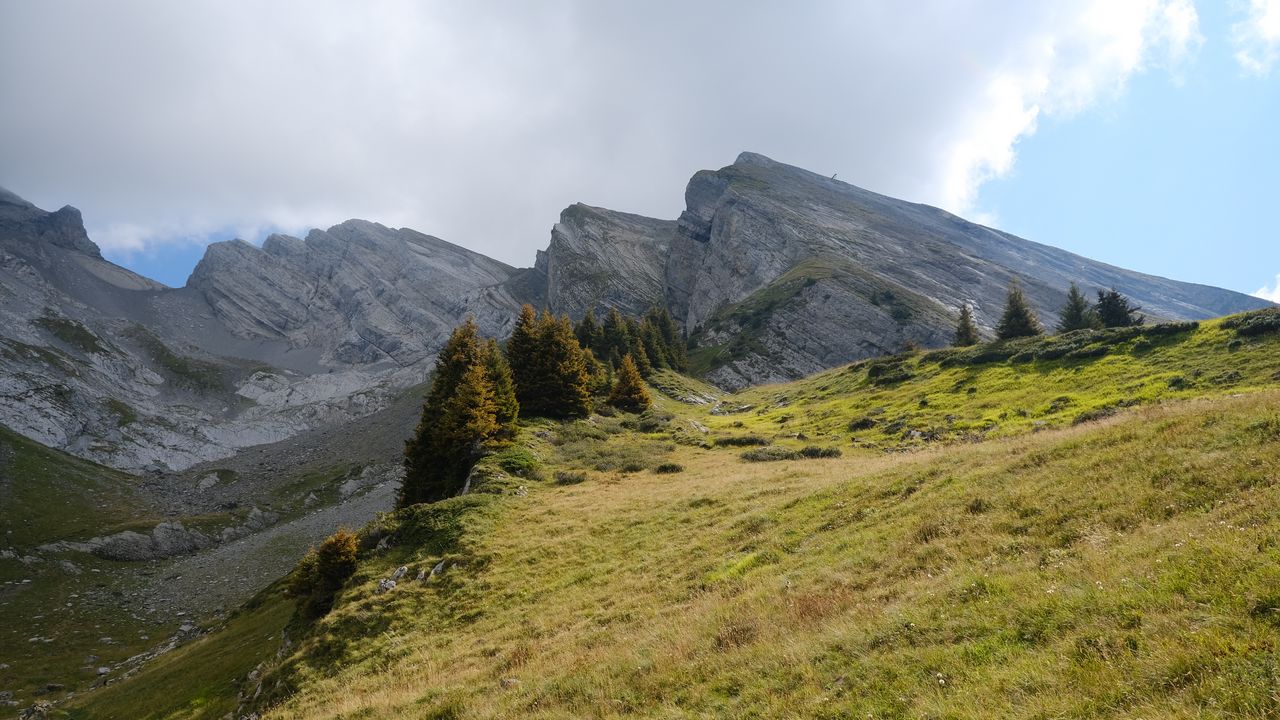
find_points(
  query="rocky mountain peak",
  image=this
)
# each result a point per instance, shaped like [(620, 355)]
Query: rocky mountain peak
[(63, 228)]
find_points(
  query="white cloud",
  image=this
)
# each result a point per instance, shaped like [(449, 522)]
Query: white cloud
[(1257, 37), (479, 122), (1270, 293), (1076, 59)]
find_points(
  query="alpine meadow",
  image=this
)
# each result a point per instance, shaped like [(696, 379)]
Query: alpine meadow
[(344, 392)]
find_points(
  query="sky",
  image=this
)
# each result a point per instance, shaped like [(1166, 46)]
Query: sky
[(1137, 132)]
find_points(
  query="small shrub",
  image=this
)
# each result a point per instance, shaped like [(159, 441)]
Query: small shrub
[(770, 453), (633, 467), (323, 571), (1179, 382), (518, 460), (1234, 344), (648, 421), (862, 423), (1258, 322), (570, 477), (741, 441), (668, 468), (813, 451), (1093, 415)]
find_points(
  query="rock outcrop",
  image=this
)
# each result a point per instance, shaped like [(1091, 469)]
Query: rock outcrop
[(600, 259), (773, 271), (777, 272)]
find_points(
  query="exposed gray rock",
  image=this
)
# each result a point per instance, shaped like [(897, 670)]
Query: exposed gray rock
[(385, 586), (784, 272), (600, 259), (166, 540)]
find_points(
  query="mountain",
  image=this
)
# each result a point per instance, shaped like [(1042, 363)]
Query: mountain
[(260, 345), (779, 272), (773, 271)]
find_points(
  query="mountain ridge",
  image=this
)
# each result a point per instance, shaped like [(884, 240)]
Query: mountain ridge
[(773, 271)]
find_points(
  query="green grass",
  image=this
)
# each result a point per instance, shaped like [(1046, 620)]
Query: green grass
[(1001, 389), (201, 679), (72, 333), (1123, 567), (186, 371), (49, 495)]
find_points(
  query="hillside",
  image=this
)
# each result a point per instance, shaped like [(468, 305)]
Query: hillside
[(1080, 526)]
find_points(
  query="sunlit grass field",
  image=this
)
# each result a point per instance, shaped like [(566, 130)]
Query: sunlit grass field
[(995, 553)]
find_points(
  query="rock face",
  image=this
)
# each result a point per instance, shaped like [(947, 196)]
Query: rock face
[(262, 343), (777, 272), (773, 271), (600, 259)]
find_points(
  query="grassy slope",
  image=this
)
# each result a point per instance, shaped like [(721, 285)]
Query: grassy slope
[(48, 495), (201, 679), (1127, 568)]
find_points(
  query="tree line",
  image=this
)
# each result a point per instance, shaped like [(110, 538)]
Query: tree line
[(548, 368), (1112, 309)]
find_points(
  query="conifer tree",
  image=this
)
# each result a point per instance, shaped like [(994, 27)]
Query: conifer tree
[(467, 425), (566, 384), (673, 344), (966, 329), (629, 392), (589, 332), (635, 347), (1018, 319), (1076, 313), (654, 347), (1115, 310), (504, 389), (423, 459), (524, 356), (617, 340)]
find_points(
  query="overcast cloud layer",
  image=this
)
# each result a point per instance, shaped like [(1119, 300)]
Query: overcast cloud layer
[(479, 122)]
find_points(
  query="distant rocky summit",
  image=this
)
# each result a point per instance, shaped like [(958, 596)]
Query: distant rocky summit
[(773, 271)]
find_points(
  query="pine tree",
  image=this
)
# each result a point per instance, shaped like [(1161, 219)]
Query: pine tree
[(588, 332), (966, 330), (654, 347), (635, 347), (566, 384), (423, 476), (629, 392), (1018, 319), (504, 389), (1115, 310), (672, 342), (467, 425), (1076, 314), (524, 356), (616, 341)]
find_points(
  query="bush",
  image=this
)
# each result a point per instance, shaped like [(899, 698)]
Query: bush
[(813, 452), (648, 421), (518, 460), (862, 423), (668, 468), (770, 453), (1093, 415), (323, 571), (570, 477), (741, 441), (1258, 322)]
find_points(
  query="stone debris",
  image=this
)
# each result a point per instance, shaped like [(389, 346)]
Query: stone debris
[(385, 586)]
